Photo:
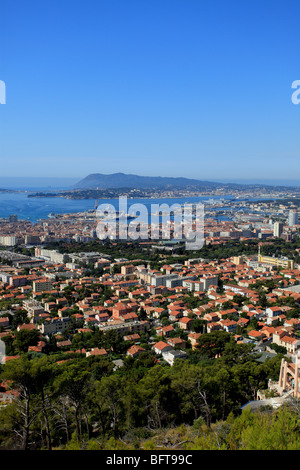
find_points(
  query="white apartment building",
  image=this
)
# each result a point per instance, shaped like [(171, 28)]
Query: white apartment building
[(8, 240), (57, 325)]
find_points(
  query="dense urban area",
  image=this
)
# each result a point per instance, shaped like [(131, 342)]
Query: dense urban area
[(123, 344)]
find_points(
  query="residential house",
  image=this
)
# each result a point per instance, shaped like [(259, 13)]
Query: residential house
[(164, 330), (256, 335), (97, 352), (135, 350), (194, 338), (161, 347), (185, 323), (172, 355), (213, 326), (228, 325), (176, 342), (272, 312)]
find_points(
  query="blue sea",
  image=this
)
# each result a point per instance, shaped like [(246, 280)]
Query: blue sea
[(35, 209)]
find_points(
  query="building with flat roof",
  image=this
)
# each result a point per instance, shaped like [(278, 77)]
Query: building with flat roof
[(278, 262), (42, 285)]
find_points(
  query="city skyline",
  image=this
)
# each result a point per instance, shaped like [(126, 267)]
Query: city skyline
[(162, 88)]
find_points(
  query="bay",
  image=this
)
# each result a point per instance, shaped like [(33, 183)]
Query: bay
[(34, 209)]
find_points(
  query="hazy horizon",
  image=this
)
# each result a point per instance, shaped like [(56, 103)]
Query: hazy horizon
[(61, 182)]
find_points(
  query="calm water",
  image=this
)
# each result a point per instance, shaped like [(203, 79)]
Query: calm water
[(34, 209)]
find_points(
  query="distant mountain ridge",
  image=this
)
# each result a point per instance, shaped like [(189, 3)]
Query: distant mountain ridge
[(122, 180)]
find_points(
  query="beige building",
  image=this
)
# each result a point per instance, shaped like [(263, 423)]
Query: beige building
[(283, 337), (278, 262), (127, 269), (42, 285), (238, 260)]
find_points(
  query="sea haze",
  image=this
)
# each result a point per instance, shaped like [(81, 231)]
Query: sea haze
[(65, 183), (270, 182)]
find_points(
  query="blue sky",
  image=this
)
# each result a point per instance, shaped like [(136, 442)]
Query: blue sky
[(190, 88)]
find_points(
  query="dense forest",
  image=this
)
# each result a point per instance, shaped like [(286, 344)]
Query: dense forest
[(70, 401)]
